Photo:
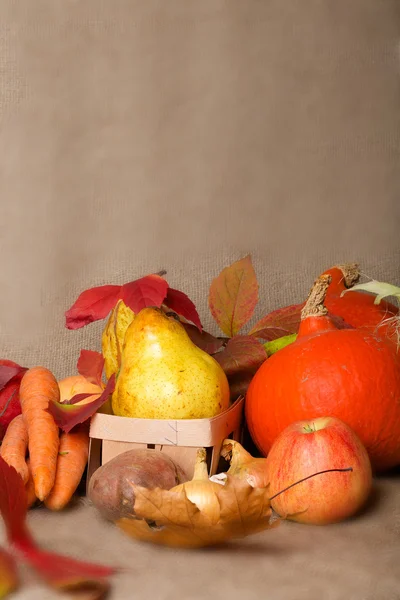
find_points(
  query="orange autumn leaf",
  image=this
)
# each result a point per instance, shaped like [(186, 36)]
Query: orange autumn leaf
[(172, 519), (233, 296)]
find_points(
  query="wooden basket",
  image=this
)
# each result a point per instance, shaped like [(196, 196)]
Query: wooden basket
[(111, 435)]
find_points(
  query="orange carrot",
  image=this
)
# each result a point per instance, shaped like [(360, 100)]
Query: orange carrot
[(72, 460), (39, 387), (30, 488), (14, 446)]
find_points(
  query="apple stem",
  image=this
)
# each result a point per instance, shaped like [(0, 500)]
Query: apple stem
[(309, 477)]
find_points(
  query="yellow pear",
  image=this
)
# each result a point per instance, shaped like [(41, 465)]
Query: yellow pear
[(113, 336), (164, 375)]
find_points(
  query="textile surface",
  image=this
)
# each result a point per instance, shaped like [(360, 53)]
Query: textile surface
[(181, 135)]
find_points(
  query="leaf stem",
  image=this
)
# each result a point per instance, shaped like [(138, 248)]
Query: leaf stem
[(7, 404), (309, 477)]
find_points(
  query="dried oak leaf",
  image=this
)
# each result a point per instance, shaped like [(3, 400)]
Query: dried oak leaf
[(61, 572), (171, 519), (233, 296)]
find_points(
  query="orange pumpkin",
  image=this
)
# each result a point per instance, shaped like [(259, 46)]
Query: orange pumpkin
[(351, 374), (358, 308)]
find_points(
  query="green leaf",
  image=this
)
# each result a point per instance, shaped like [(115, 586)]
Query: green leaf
[(282, 342), (381, 289)]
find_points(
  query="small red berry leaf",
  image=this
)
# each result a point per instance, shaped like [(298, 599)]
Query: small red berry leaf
[(203, 340), (240, 359), (9, 396), (242, 353), (183, 306), (92, 305), (13, 505), (97, 302), (239, 383), (90, 365), (9, 370), (278, 323), (9, 580), (147, 291), (78, 398), (61, 572), (233, 296), (285, 321), (86, 580), (67, 416)]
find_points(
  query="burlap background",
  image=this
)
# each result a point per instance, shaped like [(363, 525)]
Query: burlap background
[(182, 134)]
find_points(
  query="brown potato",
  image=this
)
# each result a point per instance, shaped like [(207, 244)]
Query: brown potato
[(110, 487)]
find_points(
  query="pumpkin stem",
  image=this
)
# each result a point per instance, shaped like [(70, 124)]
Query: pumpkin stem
[(351, 273), (314, 307)]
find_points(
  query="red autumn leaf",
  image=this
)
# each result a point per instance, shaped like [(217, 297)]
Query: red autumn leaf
[(9, 580), (77, 398), (90, 365), (278, 323), (67, 416), (285, 321), (182, 305), (13, 505), (203, 340), (10, 406), (238, 384), (61, 572), (10, 376), (242, 353), (233, 296), (92, 305), (9, 370), (96, 303), (147, 291)]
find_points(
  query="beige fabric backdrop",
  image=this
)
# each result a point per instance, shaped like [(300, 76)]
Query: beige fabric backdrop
[(137, 135), (181, 135)]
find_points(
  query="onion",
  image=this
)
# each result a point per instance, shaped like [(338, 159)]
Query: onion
[(201, 490), (244, 465)]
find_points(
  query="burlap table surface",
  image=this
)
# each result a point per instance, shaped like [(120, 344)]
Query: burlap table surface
[(181, 135)]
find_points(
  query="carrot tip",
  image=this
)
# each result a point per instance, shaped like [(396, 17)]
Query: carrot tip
[(44, 481)]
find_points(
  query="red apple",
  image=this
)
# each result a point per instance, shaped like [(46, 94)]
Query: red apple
[(306, 447)]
